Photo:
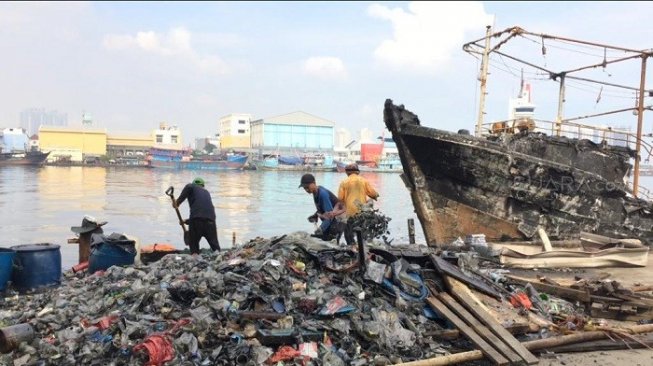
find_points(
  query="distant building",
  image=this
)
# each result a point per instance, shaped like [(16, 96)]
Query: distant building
[(14, 139), (343, 138), (297, 131), (32, 118), (234, 131), (365, 135), (167, 137), (73, 144)]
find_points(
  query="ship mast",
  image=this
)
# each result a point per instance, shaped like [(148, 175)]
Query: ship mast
[(640, 117), (562, 76), (483, 79)]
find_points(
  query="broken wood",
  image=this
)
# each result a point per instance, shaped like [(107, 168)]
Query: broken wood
[(464, 295), (641, 288), (449, 269), (545, 239), (481, 329), (530, 345), (485, 348), (619, 312), (451, 334), (604, 345)]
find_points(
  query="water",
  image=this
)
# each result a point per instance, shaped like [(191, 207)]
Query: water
[(40, 205)]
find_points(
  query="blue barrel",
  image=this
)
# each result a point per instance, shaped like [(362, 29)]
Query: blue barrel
[(6, 266), (107, 254), (36, 265)]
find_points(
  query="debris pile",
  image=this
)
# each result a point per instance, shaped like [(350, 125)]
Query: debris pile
[(299, 300), (286, 299)]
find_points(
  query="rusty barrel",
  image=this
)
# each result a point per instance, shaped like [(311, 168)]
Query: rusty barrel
[(12, 336)]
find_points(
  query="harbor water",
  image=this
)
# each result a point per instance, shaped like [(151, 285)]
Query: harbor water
[(39, 205)]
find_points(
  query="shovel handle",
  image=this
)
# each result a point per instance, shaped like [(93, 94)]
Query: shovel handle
[(170, 191)]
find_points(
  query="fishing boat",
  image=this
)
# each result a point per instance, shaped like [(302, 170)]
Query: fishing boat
[(310, 162), (516, 179), (182, 159), (35, 158)]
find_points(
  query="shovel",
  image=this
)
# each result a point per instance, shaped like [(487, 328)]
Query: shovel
[(171, 192)]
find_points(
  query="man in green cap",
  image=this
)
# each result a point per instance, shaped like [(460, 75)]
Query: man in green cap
[(201, 222)]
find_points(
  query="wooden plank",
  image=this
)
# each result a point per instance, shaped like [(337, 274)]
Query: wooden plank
[(451, 334), (482, 330), (488, 350), (615, 312), (465, 296)]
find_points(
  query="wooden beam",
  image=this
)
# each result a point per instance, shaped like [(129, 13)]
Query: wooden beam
[(485, 348), (461, 292), (535, 345), (481, 329)]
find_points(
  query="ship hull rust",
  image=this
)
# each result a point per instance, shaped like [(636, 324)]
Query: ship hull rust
[(506, 189)]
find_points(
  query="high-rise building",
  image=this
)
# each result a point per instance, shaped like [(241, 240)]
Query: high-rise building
[(32, 118), (366, 135), (343, 137)]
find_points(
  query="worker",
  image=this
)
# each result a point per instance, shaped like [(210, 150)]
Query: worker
[(329, 209), (354, 191), (89, 227), (201, 222)]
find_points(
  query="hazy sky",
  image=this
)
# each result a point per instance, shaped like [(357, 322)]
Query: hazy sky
[(133, 65)]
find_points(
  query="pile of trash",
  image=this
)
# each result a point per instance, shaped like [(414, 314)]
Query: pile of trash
[(287, 300), (374, 222)]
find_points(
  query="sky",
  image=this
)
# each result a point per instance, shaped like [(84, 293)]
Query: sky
[(132, 65)]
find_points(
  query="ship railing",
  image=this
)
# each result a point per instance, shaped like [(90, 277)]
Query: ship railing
[(642, 192), (598, 134)]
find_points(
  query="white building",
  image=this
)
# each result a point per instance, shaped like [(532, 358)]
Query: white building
[(234, 130), (343, 138), (365, 135), (168, 137)]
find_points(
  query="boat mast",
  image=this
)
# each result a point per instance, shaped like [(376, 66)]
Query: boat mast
[(483, 80), (561, 103), (640, 117)]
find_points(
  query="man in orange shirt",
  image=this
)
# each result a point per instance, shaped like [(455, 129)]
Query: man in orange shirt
[(354, 191)]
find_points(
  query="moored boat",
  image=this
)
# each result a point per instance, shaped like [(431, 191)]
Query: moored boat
[(181, 159), (23, 158)]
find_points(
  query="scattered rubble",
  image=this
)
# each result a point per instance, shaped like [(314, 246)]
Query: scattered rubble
[(299, 300)]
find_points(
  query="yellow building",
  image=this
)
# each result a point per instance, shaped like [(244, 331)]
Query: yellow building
[(76, 143), (234, 142)]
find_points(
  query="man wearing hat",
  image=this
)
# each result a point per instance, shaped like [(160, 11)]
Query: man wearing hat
[(353, 191), (201, 222), (328, 207), (89, 227)]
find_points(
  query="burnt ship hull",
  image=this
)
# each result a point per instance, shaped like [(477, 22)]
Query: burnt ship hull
[(508, 187)]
